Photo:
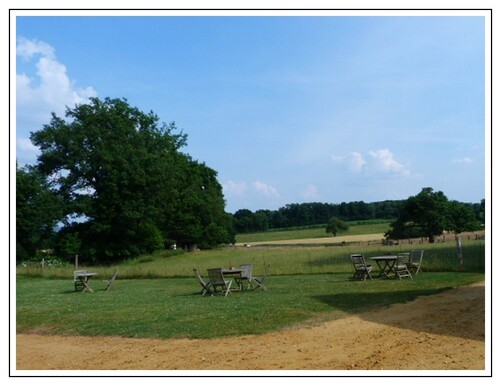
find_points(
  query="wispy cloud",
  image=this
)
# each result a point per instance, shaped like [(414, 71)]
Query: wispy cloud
[(243, 189), (310, 192), (266, 189), (234, 188), (354, 161), (462, 161), (384, 161), (378, 161)]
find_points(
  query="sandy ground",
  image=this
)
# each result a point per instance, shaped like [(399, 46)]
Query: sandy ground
[(439, 332)]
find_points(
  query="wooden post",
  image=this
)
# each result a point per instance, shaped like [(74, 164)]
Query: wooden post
[(76, 262)]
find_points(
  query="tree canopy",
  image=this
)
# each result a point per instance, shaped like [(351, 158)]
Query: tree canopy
[(126, 186), (336, 225), (429, 213)]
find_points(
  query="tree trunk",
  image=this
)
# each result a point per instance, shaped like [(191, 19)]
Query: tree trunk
[(458, 239)]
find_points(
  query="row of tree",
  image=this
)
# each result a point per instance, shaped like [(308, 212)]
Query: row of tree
[(116, 184), (297, 215)]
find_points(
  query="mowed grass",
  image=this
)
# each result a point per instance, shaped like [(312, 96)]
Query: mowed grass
[(318, 231), (157, 296), (173, 308)]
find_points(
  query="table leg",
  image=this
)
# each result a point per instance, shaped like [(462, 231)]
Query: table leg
[(86, 287)]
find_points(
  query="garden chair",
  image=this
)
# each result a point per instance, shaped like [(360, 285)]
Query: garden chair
[(401, 266), (361, 269), (205, 286), (218, 282), (79, 286), (245, 276), (415, 262), (109, 283), (260, 280)]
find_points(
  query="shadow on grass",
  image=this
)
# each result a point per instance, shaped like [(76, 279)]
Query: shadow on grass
[(435, 319)]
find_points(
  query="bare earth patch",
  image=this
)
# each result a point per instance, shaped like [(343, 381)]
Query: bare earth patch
[(439, 332)]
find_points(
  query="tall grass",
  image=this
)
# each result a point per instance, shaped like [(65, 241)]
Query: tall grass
[(439, 257)]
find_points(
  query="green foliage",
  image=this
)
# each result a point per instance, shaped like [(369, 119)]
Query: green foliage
[(336, 225), (314, 213), (37, 212), (461, 218), (430, 213)]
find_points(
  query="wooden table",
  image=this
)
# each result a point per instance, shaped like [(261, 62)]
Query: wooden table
[(235, 273), (84, 278), (385, 264)]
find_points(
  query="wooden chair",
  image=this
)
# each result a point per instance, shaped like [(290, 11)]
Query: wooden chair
[(77, 280), (261, 280), (361, 269), (415, 262), (109, 283), (218, 282), (245, 276), (401, 266), (205, 286)]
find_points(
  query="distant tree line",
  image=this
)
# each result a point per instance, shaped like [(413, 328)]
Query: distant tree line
[(315, 213)]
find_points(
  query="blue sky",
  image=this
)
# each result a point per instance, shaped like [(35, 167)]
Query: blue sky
[(287, 109)]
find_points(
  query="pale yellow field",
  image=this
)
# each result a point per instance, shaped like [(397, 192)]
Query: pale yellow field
[(324, 240)]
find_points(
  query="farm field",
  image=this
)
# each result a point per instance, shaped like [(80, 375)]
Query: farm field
[(363, 229)]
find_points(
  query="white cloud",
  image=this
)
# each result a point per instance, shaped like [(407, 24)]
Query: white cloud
[(384, 161), (235, 188), (51, 90), (356, 162), (265, 189), (311, 192), (465, 160), (337, 158), (28, 48)]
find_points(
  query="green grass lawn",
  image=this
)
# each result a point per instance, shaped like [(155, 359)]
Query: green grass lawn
[(173, 308)]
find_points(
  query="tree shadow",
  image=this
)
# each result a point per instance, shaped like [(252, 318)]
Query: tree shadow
[(440, 318)]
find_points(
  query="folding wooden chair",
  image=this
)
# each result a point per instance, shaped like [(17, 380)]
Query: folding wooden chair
[(218, 282), (245, 276), (109, 283), (401, 266), (361, 269), (260, 280), (77, 279), (415, 262), (205, 286)]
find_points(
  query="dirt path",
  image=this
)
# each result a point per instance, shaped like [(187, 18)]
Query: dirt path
[(439, 332)]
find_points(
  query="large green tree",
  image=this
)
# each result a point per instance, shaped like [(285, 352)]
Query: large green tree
[(423, 215), (124, 179)]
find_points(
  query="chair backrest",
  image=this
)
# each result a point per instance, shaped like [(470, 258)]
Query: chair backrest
[(216, 277), (416, 256), (246, 271), (403, 258), (358, 260), (198, 276)]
